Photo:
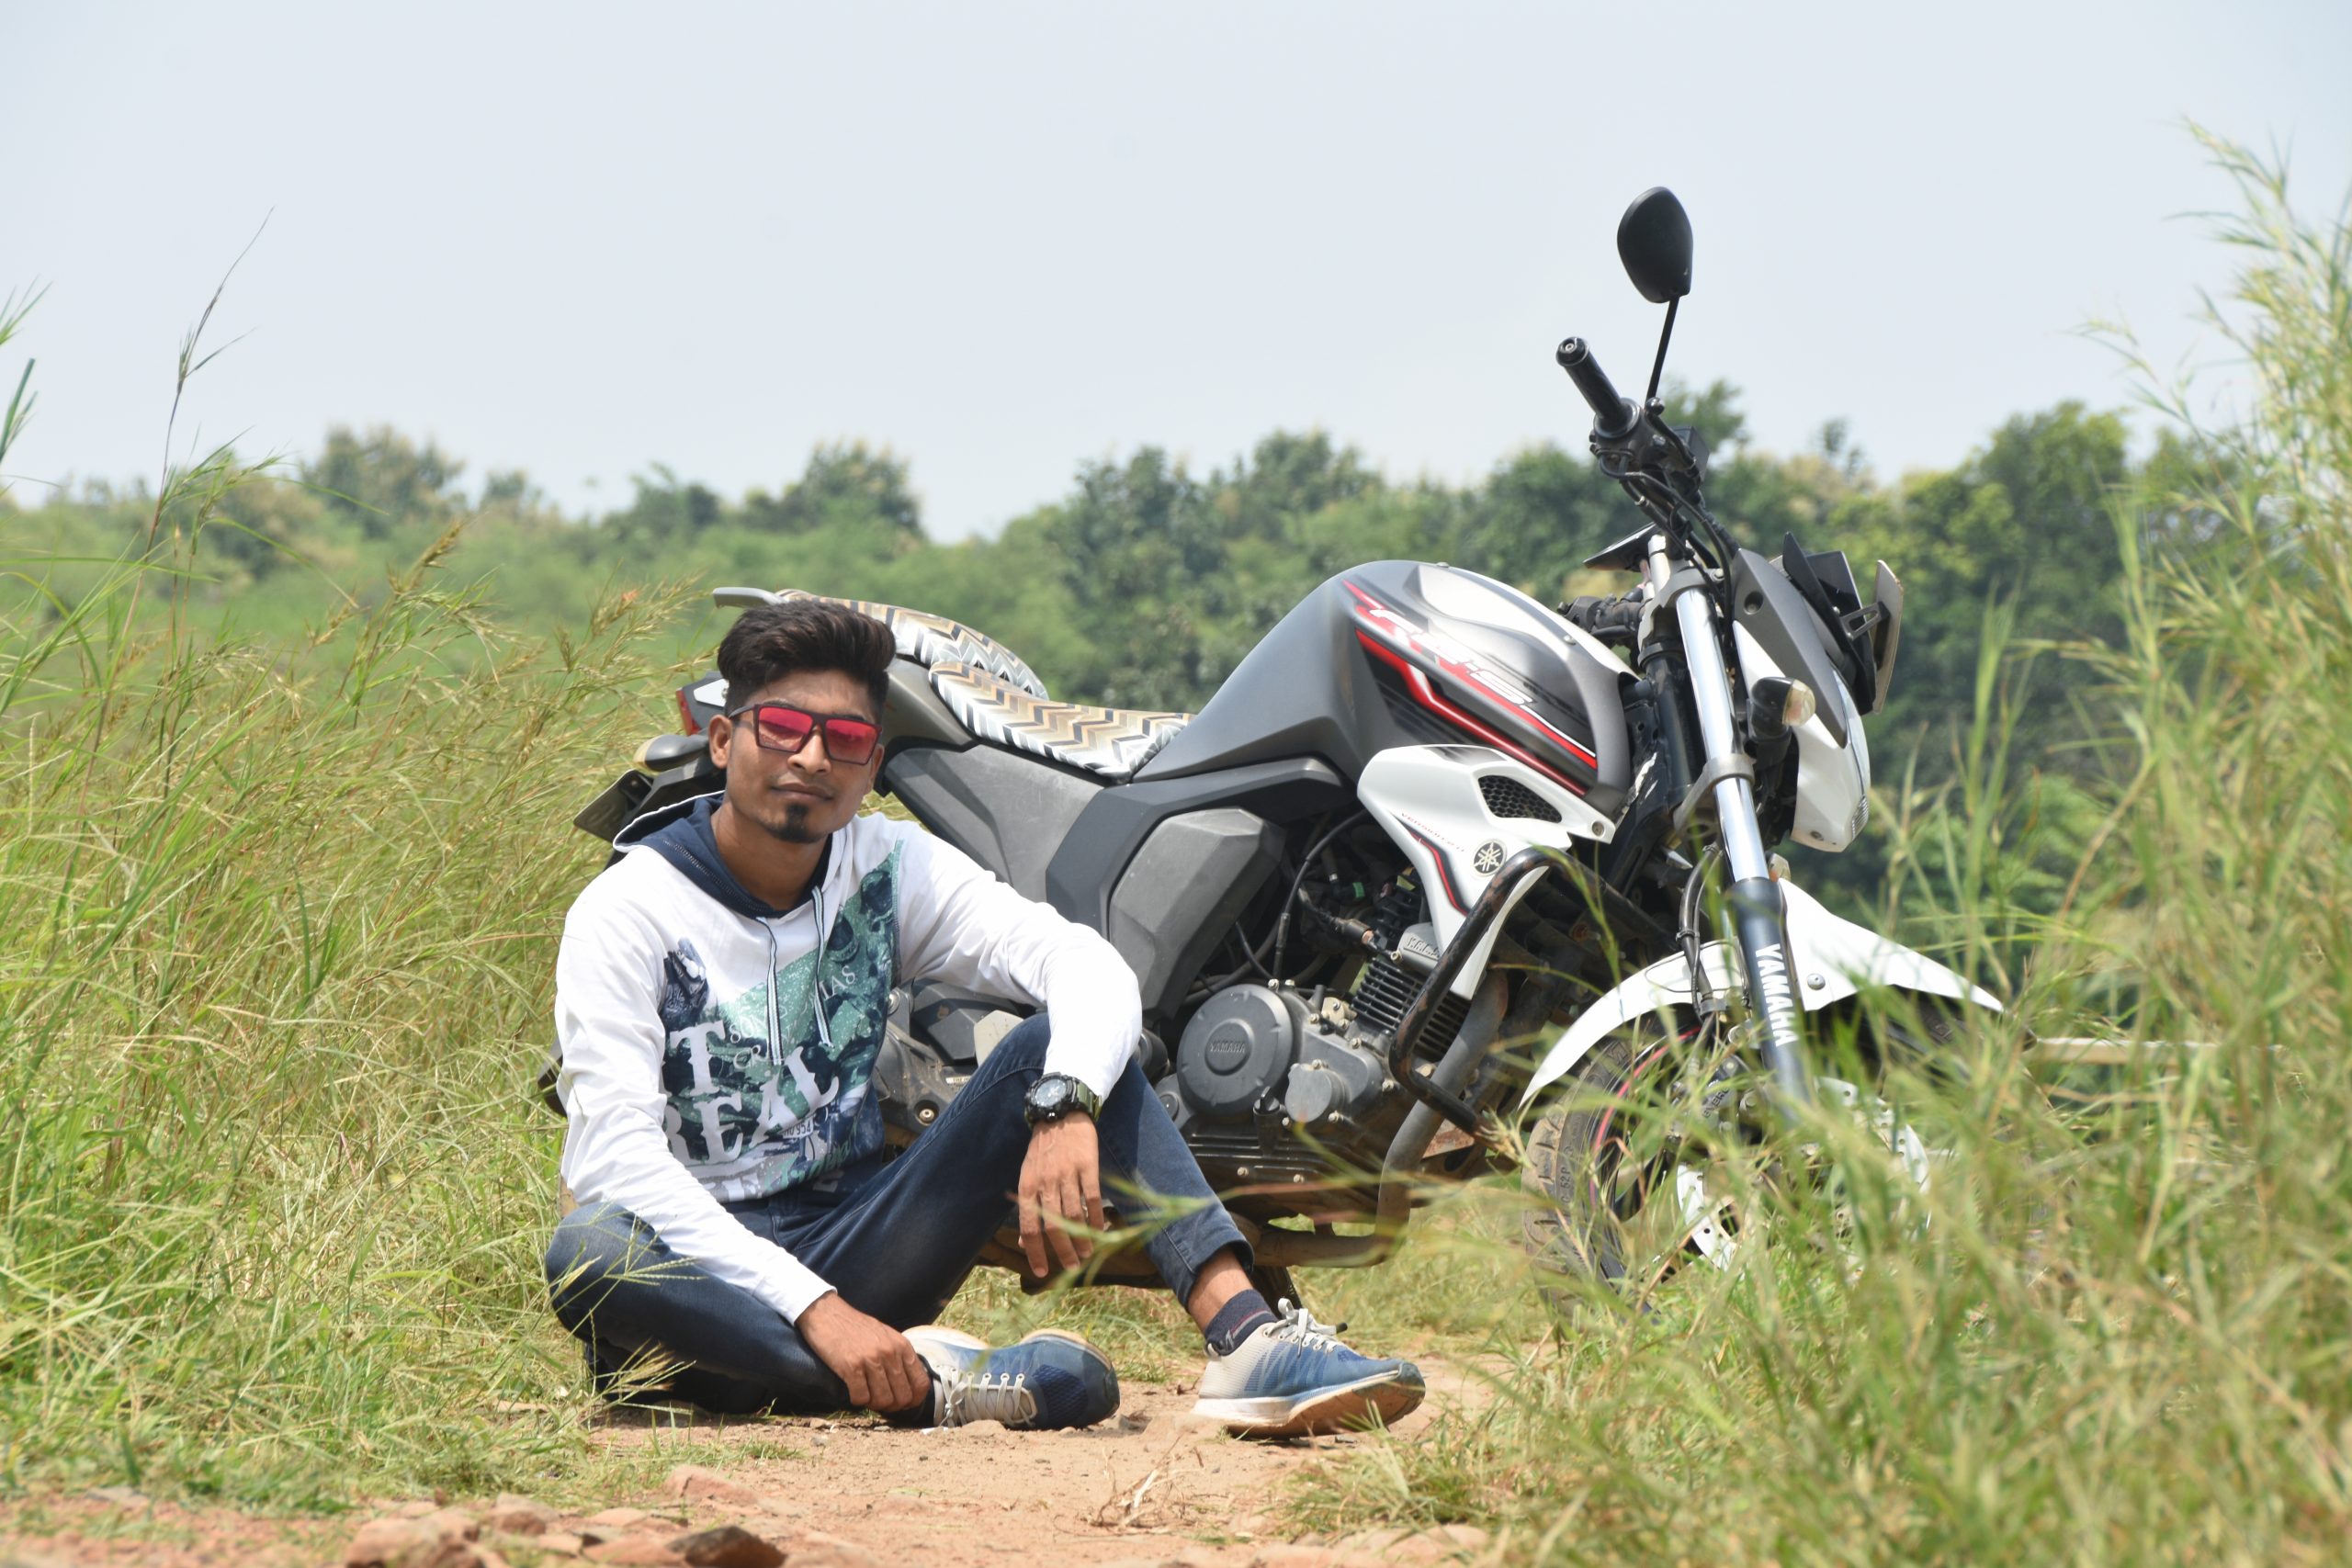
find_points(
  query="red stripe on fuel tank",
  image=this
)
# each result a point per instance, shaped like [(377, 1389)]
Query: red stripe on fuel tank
[(1418, 682), (1380, 614)]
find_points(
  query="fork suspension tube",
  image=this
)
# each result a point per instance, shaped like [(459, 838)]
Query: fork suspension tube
[(1757, 911)]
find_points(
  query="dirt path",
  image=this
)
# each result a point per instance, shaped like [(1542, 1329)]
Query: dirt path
[(1151, 1487)]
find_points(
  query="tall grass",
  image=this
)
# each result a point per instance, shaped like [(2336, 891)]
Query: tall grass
[(274, 937), (2123, 1332)]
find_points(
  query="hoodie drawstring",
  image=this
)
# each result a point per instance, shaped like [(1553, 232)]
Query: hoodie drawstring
[(776, 1014), (817, 969), (815, 983)]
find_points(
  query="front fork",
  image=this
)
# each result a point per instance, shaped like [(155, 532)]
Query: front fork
[(1757, 915)]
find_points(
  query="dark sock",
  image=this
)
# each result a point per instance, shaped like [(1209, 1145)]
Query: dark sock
[(1236, 1321)]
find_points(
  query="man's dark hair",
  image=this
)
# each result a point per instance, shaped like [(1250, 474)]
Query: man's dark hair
[(768, 642)]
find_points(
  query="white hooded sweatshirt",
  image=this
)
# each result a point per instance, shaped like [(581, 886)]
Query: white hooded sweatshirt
[(711, 1053)]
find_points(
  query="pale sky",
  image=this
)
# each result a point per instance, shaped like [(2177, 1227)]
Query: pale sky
[(581, 240)]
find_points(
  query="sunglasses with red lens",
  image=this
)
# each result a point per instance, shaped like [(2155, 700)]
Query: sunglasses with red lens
[(777, 727)]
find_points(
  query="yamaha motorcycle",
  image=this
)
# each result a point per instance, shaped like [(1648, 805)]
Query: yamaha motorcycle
[(1423, 889)]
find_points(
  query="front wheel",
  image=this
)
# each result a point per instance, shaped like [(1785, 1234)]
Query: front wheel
[(1645, 1162), (1619, 1168)]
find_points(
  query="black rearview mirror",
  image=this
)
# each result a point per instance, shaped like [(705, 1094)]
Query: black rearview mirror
[(1654, 241)]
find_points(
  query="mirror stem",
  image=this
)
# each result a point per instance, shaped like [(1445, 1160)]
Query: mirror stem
[(1664, 337)]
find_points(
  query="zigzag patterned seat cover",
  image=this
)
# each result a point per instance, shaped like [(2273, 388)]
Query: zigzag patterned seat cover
[(1110, 743), (933, 640), (995, 695)]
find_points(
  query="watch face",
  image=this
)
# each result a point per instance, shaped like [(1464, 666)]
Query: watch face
[(1050, 1097)]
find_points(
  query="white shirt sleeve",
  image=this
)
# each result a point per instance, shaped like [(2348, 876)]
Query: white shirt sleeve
[(958, 923), (608, 1026)]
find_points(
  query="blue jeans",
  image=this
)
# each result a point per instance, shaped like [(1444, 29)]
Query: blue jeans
[(896, 1237)]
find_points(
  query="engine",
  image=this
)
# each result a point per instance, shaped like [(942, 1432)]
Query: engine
[(1253, 1050), (1277, 1086)]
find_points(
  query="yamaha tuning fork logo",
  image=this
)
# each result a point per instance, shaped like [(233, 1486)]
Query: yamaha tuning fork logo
[(1489, 859)]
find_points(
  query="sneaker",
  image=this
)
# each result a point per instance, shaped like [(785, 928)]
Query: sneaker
[(1046, 1380), (1291, 1378)]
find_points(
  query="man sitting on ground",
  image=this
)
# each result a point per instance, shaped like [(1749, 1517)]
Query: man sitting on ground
[(721, 994)]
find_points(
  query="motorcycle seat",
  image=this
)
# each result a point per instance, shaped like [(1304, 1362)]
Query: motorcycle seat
[(994, 694), (1110, 743), (933, 640)]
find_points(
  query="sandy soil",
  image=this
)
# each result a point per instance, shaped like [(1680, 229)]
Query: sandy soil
[(1151, 1487)]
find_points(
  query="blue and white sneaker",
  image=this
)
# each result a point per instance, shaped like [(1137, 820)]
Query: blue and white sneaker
[(1291, 1378), (1044, 1381)]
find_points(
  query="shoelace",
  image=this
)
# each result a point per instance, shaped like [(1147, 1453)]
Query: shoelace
[(1300, 1328), (987, 1396)]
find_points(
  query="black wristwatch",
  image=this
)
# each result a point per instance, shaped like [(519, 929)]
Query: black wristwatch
[(1056, 1095)]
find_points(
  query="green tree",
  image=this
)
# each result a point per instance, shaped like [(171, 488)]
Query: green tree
[(381, 479), (844, 482)]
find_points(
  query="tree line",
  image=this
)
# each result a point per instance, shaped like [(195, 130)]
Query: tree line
[(1147, 580)]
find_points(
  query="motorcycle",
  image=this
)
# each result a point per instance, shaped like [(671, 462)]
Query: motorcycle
[(1426, 820)]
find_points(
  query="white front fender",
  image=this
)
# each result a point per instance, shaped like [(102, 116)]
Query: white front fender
[(1833, 958)]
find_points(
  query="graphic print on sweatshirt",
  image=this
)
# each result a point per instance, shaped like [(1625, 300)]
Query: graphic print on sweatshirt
[(749, 1120)]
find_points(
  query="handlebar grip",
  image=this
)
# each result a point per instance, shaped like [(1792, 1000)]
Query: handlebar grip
[(1616, 618), (1613, 416)]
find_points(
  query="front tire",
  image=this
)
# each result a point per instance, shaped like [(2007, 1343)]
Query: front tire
[(1616, 1203), (1633, 1168)]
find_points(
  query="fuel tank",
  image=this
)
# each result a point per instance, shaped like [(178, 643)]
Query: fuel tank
[(1406, 653)]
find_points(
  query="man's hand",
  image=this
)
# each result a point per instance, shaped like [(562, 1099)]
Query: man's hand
[(1061, 1178), (881, 1368)]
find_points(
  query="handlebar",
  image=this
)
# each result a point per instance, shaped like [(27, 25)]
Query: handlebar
[(1613, 416)]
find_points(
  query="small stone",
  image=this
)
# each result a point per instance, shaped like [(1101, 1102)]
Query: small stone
[(454, 1524), (432, 1542), (120, 1497), (518, 1516), (382, 1542), (620, 1518), (636, 1551), (709, 1486), (817, 1550), (562, 1542), (728, 1546)]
